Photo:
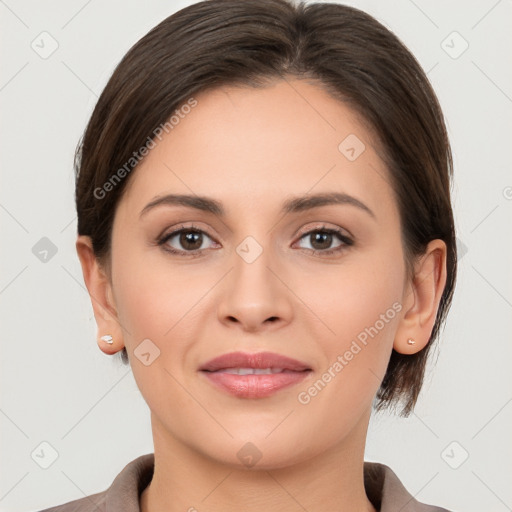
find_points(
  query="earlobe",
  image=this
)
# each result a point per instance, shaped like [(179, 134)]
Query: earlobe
[(100, 292), (422, 299)]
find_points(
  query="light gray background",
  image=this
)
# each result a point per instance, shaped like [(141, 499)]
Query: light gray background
[(58, 387)]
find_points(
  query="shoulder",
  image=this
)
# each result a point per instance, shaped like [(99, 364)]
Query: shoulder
[(123, 494), (387, 493)]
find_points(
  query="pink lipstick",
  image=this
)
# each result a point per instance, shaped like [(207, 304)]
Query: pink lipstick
[(256, 375)]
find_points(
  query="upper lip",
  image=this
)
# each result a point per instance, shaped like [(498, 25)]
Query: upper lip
[(254, 360)]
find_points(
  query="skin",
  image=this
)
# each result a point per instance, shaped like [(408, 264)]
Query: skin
[(251, 149)]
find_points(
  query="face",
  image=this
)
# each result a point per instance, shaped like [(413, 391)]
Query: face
[(319, 282)]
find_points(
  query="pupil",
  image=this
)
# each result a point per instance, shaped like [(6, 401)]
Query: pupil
[(188, 239), (319, 237)]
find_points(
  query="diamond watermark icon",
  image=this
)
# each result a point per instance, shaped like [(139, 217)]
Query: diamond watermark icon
[(351, 147), (462, 248), (44, 250), (146, 352), (454, 455), (249, 249), (44, 45), (249, 455), (454, 45), (44, 455)]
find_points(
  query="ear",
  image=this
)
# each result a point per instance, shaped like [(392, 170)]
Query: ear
[(421, 299), (100, 291)]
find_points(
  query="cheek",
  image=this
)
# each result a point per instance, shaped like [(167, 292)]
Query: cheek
[(364, 314), (153, 296), (359, 305), (356, 294), (157, 301)]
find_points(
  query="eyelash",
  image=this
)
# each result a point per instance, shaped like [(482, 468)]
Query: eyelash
[(347, 242)]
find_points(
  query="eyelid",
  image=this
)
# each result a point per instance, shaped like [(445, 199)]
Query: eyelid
[(182, 226), (323, 226), (173, 230)]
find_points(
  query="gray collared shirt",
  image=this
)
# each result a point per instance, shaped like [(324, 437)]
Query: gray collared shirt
[(382, 486)]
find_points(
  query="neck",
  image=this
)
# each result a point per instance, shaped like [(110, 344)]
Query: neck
[(186, 480)]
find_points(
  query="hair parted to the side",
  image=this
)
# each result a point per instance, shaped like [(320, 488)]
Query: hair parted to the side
[(227, 42)]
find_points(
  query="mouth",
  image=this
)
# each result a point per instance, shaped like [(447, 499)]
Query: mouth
[(254, 371), (256, 375)]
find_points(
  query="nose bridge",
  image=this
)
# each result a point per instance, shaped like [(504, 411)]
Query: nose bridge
[(252, 262), (253, 294)]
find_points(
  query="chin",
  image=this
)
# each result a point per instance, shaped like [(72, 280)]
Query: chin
[(254, 453)]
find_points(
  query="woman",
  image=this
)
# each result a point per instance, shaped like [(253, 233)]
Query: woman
[(266, 234)]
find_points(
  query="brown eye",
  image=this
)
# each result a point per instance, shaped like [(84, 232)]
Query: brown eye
[(185, 241), (190, 240), (322, 239)]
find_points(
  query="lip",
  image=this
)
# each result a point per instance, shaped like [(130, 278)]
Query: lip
[(254, 386)]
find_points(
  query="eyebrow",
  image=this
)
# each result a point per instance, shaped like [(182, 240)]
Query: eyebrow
[(292, 205)]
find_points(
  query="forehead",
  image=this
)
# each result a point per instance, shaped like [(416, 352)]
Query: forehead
[(287, 138)]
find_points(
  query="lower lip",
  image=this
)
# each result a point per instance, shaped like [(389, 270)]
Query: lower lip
[(255, 386)]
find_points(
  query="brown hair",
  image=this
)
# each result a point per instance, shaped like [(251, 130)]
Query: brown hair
[(226, 42)]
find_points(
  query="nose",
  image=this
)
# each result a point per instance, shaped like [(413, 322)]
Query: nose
[(254, 295)]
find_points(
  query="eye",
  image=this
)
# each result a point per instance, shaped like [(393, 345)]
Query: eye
[(322, 238), (192, 241), (185, 241)]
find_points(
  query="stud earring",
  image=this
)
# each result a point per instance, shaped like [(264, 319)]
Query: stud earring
[(410, 341), (107, 339)]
